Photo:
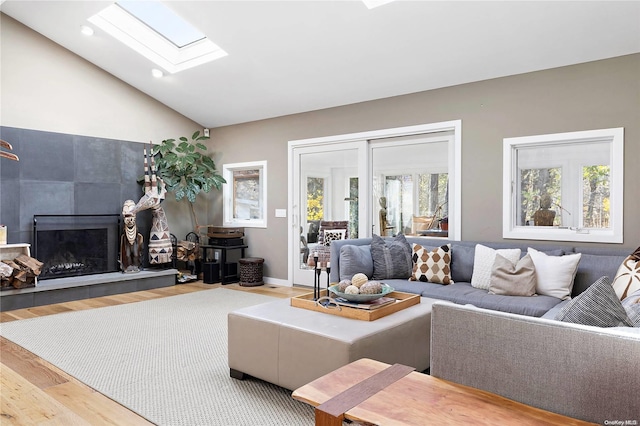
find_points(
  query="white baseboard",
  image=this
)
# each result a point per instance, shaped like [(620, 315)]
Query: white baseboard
[(277, 281)]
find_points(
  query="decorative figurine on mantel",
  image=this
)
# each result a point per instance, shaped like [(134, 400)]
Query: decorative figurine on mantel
[(131, 241), (160, 247)]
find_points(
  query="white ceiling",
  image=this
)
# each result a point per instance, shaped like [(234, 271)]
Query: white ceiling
[(287, 57)]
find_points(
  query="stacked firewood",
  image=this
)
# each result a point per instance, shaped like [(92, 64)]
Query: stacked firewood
[(20, 272), (187, 251)]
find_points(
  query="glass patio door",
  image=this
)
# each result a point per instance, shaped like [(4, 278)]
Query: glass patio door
[(326, 188)]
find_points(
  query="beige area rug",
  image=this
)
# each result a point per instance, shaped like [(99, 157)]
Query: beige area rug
[(165, 359)]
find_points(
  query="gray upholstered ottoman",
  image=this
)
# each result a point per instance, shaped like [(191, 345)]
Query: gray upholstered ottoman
[(291, 346)]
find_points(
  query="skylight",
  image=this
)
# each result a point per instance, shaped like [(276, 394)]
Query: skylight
[(154, 31), (162, 20), (375, 3)]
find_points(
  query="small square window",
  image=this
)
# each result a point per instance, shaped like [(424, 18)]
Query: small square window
[(245, 202)]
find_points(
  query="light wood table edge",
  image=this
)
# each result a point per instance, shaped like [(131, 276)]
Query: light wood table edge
[(317, 392)]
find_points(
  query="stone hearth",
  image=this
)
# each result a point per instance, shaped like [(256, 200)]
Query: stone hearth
[(60, 290)]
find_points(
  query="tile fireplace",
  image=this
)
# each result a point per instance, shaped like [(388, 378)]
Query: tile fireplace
[(76, 245)]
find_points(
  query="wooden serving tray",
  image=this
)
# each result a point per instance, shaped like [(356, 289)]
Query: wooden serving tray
[(404, 300)]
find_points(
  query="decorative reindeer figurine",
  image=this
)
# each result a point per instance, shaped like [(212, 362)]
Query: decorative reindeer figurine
[(160, 248)]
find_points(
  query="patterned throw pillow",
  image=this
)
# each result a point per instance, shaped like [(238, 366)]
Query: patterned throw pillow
[(391, 258), (432, 266), (332, 235), (627, 279), (598, 305)]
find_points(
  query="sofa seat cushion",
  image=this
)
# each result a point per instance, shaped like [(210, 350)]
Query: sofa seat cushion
[(464, 294)]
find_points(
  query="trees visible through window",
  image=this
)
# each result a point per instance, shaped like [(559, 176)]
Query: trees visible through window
[(596, 196), (315, 198), (433, 192), (565, 186), (353, 207), (535, 184), (246, 194)]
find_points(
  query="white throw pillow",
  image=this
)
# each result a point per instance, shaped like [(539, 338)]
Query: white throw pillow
[(554, 274), (483, 262)]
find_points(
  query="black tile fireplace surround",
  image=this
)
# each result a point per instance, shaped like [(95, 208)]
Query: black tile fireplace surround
[(63, 174)]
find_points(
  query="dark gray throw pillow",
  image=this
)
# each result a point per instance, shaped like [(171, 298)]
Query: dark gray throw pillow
[(598, 306), (391, 258), (354, 260)]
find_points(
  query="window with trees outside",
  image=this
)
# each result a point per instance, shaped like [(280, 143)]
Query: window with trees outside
[(411, 185), (244, 194), (566, 187)]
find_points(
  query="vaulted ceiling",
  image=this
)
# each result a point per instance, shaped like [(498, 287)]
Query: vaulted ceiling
[(286, 57)]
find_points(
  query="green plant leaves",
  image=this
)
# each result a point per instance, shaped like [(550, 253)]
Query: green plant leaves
[(185, 169)]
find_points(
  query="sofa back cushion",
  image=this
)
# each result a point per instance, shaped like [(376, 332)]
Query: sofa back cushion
[(462, 263), (355, 260), (592, 267)]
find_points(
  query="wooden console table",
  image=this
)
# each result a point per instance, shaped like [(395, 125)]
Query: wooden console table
[(373, 392)]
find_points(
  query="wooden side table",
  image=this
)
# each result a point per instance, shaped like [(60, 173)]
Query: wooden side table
[(372, 392)]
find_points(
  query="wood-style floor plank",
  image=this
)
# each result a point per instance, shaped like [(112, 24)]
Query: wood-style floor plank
[(36, 392), (92, 406), (23, 403), (28, 366)]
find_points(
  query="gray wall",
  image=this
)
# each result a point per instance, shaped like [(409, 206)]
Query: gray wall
[(594, 95)]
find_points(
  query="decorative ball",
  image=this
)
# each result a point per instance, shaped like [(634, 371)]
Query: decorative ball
[(352, 289), (371, 287), (343, 284), (359, 279)]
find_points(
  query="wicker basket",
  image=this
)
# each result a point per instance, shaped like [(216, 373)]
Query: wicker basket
[(251, 271)]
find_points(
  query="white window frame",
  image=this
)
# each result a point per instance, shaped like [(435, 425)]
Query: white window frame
[(227, 194), (613, 234)]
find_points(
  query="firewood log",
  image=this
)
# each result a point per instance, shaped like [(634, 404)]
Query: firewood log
[(32, 265)]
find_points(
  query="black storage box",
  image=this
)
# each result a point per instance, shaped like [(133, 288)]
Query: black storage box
[(210, 272), (227, 242)]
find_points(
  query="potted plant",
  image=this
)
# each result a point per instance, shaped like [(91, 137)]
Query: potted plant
[(186, 170), (444, 223)]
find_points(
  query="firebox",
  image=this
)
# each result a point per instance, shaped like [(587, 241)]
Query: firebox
[(74, 245)]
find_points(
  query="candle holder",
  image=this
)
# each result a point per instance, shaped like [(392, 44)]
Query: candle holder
[(316, 278)]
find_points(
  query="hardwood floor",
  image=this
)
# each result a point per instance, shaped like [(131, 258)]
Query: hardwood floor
[(34, 392)]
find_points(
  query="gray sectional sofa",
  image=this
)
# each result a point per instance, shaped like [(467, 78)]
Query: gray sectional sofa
[(513, 346), (585, 372), (594, 263)]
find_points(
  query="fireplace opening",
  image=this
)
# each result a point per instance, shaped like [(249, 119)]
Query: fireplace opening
[(75, 245)]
